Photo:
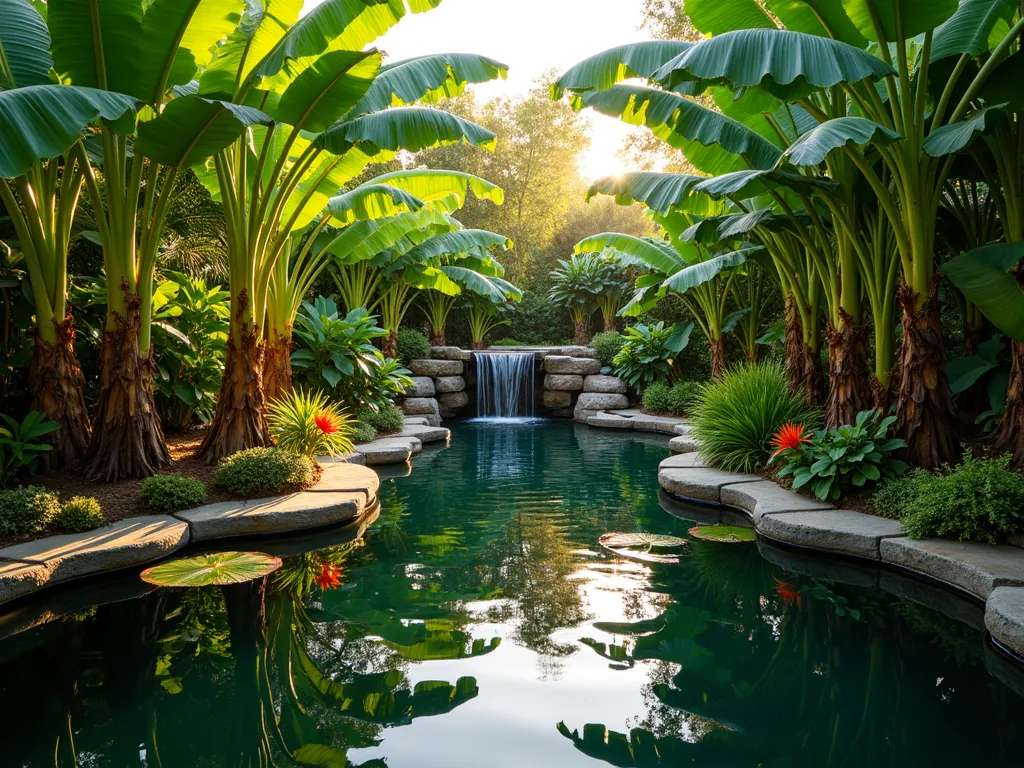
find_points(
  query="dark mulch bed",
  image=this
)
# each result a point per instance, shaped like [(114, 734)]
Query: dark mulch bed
[(121, 499)]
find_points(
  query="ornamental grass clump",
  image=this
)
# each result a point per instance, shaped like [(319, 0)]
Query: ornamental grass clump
[(79, 514), (171, 493), (263, 472), (309, 424), (735, 417), (27, 510), (977, 500)]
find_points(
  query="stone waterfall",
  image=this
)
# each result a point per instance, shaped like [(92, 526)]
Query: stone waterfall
[(504, 384)]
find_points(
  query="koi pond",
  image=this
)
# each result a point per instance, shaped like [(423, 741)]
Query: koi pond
[(477, 622)]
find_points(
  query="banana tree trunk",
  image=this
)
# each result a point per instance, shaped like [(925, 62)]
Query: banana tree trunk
[(849, 380), (1010, 438), (389, 344), (437, 337), (926, 415), (480, 344), (609, 322), (240, 421), (794, 346), (580, 335), (719, 358), (127, 439), (55, 381), (277, 366)]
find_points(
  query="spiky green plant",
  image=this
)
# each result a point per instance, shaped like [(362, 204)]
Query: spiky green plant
[(309, 424)]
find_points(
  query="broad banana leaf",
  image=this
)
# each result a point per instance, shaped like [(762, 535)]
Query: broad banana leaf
[(711, 141), (704, 271), (976, 27), (427, 79), (788, 65), (716, 17), (363, 240), (747, 184), (657, 254), (814, 146), (408, 128), (1003, 85), (983, 276), (658, 191), (429, 185), (327, 89), (715, 228), (462, 241), (952, 138), (24, 45), (607, 68), (918, 17), (193, 128), (370, 201), (42, 121), (495, 289), (825, 18)]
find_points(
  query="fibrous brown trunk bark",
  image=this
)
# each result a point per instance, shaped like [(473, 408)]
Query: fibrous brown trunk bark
[(389, 344), (1010, 438), (240, 421), (479, 345), (55, 381), (609, 322), (926, 415), (847, 373), (277, 366), (812, 378), (580, 335), (437, 337), (794, 346), (719, 358), (127, 440)]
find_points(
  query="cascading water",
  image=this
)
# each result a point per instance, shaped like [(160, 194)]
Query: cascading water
[(504, 384)]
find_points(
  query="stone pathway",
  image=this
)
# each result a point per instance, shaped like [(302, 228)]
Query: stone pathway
[(637, 420)]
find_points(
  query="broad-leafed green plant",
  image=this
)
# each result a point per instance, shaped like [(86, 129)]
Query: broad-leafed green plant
[(835, 461), (649, 353), (21, 445), (310, 424), (576, 285)]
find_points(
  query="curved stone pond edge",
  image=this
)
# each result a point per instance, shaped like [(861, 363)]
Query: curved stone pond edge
[(991, 574), (346, 493)]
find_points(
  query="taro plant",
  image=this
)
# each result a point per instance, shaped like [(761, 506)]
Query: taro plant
[(309, 424), (648, 353), (21, 445), (833, 461)]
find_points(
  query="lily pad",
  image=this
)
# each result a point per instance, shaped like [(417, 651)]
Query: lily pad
[(640, 546), (728, 534), (219, 568)]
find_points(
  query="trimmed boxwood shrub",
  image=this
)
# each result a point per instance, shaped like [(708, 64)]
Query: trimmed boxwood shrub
[(79, 514), (677, 399), (363, 433), (607, 345), (27, 510), (977, 500), (171, 493), (734, 418), (895, 495), (412, 345), (263, 472), (657, 397), (386, 420)]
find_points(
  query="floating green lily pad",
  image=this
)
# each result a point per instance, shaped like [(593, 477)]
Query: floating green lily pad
[(641, 546), (219, 568), (729, 534)]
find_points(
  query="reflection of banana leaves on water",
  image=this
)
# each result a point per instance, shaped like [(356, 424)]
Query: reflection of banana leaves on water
[(643, 748)]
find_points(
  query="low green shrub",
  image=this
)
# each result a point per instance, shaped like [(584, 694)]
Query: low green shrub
[(79, 514), (895, 495), (735, 417), (834, 461), (27, 510), (677, 399), (607, 345), (508, 343), (263, 472), (658, 397), (387, 419), (363, 433), (412, 345), (170, 493), (977, 500)]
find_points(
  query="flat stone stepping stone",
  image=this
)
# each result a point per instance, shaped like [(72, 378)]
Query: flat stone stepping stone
[(1004, 617), (390, 450), (690, 460), (346, 477), (423, 421), (683, 429), (426, 434), (767, 498), (682, 444), (701, 483), (609, 421), (18, 579), (839, 530), (665, 425), (283, 514), (125, 544), (975, 567)]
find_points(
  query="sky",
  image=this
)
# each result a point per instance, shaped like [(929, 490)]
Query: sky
[(531, 37)]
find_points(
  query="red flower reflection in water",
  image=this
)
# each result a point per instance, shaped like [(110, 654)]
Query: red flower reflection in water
[(788, 437), (325, 423), (329, 578), (789, 593)]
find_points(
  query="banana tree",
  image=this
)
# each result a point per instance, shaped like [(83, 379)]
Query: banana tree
[(576, 285), (334, 110), (874, 107), (484, 315)]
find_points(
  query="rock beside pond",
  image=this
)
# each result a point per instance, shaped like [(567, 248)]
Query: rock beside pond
[(453, 400), (606, 384), (565, 382), (446, 384), (581, 366), (557, 399), (436, 368), (450, 353), (606, 370), (422, 386), (601, 401), (577, 351), (413, 406)]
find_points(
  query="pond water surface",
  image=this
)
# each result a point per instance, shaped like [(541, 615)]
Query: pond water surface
[(478, 623)]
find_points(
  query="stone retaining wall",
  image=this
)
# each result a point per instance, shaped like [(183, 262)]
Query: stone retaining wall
[(439, 385)]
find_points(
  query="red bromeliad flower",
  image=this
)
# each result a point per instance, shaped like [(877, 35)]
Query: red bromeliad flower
[(325, 423), (789, 593), (788, 437), (329, 578)]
